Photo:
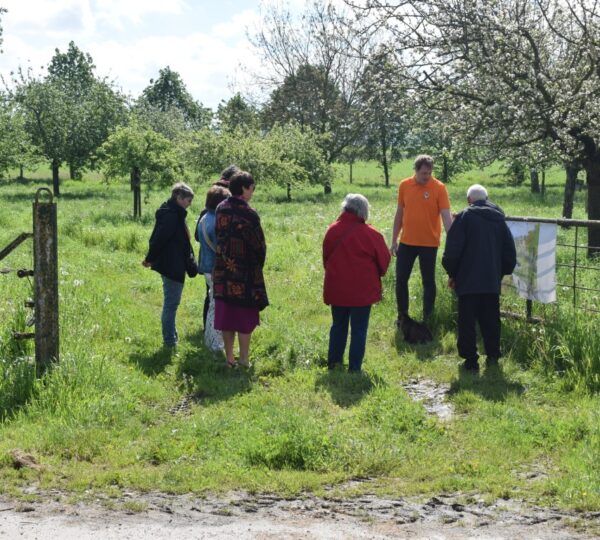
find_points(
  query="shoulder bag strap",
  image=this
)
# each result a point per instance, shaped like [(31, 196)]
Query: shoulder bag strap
[(206, 238)]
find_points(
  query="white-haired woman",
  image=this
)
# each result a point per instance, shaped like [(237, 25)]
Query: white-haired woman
[(355, 257)]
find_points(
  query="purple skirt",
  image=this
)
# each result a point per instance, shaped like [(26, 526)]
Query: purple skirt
[(232, 318)]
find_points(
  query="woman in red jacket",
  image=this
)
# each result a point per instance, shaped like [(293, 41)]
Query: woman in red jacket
[(355, 257)]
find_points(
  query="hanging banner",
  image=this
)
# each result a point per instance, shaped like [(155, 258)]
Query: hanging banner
[(535, 273)]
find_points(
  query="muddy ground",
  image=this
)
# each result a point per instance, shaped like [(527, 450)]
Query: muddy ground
[(243, 516)]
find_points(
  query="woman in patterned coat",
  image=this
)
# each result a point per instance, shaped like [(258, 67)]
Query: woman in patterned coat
[(239, 286)]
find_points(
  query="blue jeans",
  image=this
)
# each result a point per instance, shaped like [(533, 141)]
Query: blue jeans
[(358, 317), (172, 296)]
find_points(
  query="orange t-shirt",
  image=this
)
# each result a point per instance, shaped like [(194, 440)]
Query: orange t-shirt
[(421, 221)]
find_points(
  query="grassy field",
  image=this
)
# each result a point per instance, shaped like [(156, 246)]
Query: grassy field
[(102, 418)]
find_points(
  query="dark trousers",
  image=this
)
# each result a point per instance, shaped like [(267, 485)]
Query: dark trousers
[(405, 259), (485, 310), (205, 308), (358, 317)]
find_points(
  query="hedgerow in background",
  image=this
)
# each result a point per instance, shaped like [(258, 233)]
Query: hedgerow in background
[(286, 156)]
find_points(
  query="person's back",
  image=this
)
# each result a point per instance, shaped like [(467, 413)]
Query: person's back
[(355, 257), (479, 250), (484, 259)]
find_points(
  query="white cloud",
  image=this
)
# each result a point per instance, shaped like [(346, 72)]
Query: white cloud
[(207, 59), (206, 62)]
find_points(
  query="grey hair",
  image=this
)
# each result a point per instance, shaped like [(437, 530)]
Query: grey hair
[(477, 193), (355, 203), (182, 190)]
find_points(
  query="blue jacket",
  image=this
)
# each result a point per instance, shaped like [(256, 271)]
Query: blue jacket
[(206, 261), (479, 249)]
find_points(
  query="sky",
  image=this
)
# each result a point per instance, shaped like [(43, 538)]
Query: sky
[(205, 41)]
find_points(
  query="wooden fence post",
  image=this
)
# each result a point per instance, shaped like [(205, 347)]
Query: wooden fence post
[(45, 261)]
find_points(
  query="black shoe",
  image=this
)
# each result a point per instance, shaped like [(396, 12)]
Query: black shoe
[(470, 366), (491, 361)]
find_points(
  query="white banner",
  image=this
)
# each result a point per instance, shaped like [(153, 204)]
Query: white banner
[(535, 273)]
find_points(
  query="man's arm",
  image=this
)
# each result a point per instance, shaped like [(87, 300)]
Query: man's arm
[(446, 218), (455, 242), (509, 252), (396, 229)]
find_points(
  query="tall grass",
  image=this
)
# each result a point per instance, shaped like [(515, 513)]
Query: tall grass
[(101, 420)]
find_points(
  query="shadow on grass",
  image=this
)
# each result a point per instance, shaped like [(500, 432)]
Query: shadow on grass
[(29, 196), (208, 379), (491, 385), (155, 363), (347, 389), (42, 182)]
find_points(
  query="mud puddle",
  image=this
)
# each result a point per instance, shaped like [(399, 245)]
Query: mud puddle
[(432, 395)]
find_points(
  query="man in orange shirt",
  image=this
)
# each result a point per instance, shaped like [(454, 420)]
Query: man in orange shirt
[(422, 201)]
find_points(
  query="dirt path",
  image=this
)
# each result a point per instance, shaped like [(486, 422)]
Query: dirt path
[(243, 516)]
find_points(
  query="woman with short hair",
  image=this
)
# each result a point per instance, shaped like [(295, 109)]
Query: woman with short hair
[(239, 287), (170, 254), (355, 257)]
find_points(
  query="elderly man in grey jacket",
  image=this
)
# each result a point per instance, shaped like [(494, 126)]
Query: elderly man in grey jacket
[(479, 250)]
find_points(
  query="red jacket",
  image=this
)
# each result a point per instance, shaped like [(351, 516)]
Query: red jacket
[(355, 257)]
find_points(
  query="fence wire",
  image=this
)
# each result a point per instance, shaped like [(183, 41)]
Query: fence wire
[(577, 275)]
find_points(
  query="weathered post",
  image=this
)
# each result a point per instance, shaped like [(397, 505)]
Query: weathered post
[(45, 261)]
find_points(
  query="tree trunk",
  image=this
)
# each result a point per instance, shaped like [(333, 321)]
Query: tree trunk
[(289, 191), (72, 172), (543, 182), (572, 171), (327, 188), (55, 178), (21, 173), (136, 183), (535, 180), (445, 171), (386, 171), (351, 164), (593, 206), (384, 159)]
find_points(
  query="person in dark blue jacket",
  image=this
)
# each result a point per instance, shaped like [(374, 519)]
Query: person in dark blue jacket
[(170, 254), (479, 250)]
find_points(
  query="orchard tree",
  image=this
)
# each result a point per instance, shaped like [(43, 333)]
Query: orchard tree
[(350, 155), (311, 77), (16, 148), (237, 114), (384, 104), (452, 152), (94, 107), (45, 118), (287, 156), (519, 71), (310, 99), (301, 159), (169, 92), (142, 156), (170, 123)]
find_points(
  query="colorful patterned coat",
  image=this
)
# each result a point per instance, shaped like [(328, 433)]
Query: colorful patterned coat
[(241, 252)]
